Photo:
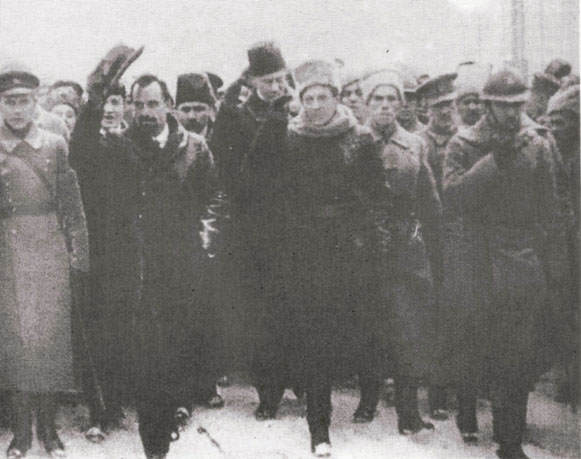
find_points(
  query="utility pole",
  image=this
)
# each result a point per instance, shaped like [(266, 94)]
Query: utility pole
[(517, 26)]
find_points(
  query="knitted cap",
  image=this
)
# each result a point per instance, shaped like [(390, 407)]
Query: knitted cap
[(265, 58), (565, 99), (316, 72), (438, 89), (384, 77), (505, 86), (195, 87)]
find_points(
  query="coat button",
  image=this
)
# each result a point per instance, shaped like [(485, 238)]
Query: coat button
[(13, 231), (140, 216)]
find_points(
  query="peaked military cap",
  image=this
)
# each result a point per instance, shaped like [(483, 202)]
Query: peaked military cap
[(15, 75), (438, 89), (559, 68)]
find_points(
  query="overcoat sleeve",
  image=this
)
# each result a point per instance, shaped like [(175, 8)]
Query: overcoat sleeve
[(430, 215), (466, 183), (70, 208), (229, 145), (205, 189), (549, 210), (84, 155)]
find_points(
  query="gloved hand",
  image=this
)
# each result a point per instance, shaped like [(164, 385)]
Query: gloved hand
[(109, 71), (503, 149)]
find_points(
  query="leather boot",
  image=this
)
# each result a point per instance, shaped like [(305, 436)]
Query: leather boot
[(409, 420), (21, 407)]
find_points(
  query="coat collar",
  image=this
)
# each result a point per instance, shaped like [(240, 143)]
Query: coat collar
[(9, 141), (440, 139), (398, 137)]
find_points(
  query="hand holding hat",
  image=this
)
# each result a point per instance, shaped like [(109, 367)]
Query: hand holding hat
[(110, 70)]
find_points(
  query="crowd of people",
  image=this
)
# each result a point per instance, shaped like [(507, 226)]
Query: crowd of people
[(300, 227)]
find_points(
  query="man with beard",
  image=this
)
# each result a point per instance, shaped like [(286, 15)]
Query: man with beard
[(407, 116), (352, 97), (196, 99), (563, 115), (499, 178), (468, 86), (439, 94), (251, 252), (160, 192)]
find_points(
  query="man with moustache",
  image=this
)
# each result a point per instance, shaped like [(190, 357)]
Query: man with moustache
[(439, 94), (196, 100), (160, 197), (499, 177)]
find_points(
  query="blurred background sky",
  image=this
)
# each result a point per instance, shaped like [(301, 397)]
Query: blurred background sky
[(64, 39)]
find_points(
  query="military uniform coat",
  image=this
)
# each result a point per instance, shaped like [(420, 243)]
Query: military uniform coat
[(407, 323), (42, 235), (495, 287)]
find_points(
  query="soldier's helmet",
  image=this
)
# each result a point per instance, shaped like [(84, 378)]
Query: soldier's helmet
[(505, 86)]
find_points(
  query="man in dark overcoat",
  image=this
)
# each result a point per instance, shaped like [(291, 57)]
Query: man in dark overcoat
[(252, 240), (161, 197)]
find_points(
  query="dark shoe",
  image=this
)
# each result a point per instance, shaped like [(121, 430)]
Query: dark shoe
[(155, 456), (413, 426), (224, 381), (470, 438), (95, 435), (439, 415), (364, 415), (265, 413), (511, 453), (216, 401), (54, 446)]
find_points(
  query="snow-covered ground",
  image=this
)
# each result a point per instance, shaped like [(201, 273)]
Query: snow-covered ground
[(553, 433)]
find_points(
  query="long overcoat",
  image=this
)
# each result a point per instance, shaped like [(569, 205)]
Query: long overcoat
[(148, 205), (318, 184), (495, 279), (408, 305), (42, 235)]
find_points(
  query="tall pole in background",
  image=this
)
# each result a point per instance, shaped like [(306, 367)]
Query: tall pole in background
[(517, 25)]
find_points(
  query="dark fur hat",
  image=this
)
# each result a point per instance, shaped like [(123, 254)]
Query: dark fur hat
[(265, 58), (195, 87)]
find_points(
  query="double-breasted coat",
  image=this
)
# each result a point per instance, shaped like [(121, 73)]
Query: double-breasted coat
[(495, 284), (42, 236)]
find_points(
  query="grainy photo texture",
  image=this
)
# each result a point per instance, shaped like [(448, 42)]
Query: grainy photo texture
[(289, 229)]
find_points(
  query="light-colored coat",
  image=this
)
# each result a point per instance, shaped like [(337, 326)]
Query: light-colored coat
[(42, 235)]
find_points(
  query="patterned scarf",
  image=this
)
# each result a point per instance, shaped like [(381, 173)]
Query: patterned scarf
[(340, 122)]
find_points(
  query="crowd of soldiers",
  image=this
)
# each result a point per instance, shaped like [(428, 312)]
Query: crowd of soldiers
[(301, 226)]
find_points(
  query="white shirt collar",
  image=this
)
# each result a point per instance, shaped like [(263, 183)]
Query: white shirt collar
[(161, 139)]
